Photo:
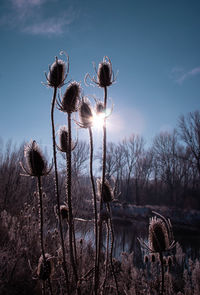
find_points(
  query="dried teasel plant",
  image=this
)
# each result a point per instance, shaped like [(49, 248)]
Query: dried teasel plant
[(104, 79), (56, 77), (86, 117), (85, 112), (64, 140), (69, 102), (58, 72), (160, 239), (105, 76), (36, 166), (107, 194)]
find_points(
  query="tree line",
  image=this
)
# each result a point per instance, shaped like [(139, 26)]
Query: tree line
[(166, 173)]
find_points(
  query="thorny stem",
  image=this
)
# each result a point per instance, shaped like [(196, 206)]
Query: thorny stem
[(41, 229), (103, 181), (162, 273), (95, 209), (57, 191), (107, 256), (111, 248), (69, 202)]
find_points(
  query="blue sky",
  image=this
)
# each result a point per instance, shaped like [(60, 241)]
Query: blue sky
[(154, 44)]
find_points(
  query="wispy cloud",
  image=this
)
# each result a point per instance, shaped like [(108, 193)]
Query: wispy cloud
[(179, 75), (34, 17), (49, 26), (26, 3)]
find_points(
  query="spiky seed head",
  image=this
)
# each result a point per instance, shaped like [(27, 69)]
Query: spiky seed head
[(63, 138), (64, 212), (107, 194), (104, 73), (44, 269), (56, 75), (85, 113), (36, 164), (71, 98), (158, 235)]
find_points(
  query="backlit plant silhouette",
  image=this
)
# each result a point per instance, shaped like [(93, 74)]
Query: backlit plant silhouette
[(37, 166), (100, 268), (160, 240)]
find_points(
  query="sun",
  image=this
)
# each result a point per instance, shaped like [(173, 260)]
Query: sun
[(98, 120)]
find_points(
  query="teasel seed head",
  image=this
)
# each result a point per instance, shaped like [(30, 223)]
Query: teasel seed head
[(70, 101), (56, 75), (107, 194), (85, 113), (36, 165), (63, 139), (64, 212), (58, 72), (105, 76), (160, 235), (45, 268)]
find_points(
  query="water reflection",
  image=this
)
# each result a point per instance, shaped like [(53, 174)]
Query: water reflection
[(126, 234)]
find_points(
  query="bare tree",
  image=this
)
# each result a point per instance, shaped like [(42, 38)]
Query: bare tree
[(169, 165), (142, 172), (190, 133), (132, 150)]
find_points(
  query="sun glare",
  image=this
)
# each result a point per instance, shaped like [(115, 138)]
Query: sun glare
[(98, 120)]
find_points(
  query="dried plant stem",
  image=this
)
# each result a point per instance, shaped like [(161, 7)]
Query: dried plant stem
[(57, 191), (111, 248), (95, 209), (41, 229), (43, 288), (162, 273), (72, 248), (107, 256), (103, 181)]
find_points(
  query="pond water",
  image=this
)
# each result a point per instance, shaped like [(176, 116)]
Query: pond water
[(126, 235)]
